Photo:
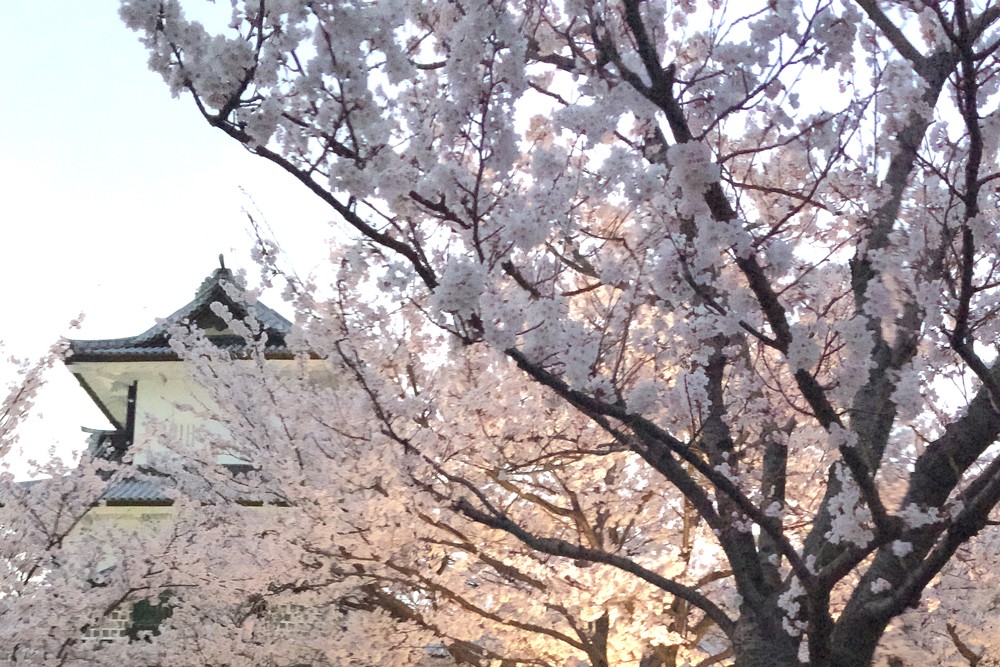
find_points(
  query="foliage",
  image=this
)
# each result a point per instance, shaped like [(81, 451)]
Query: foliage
[(667, 335)]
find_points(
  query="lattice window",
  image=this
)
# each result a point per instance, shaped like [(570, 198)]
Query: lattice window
[(182, 433), (112, 627), (130, 621), (284, 619), (294, 618)]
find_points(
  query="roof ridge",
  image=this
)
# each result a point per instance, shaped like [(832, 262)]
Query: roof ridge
[(212, 290)]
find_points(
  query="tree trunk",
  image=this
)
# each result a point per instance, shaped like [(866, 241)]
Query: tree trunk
[(761, 641), (855, 638)]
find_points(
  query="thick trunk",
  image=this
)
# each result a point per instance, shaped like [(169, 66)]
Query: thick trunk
[(855, 639), (762, 642)]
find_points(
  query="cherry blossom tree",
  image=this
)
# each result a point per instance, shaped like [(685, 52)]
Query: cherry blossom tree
[(88, 583), (955, 622), (22, 379), (408, 553), (668, 331), (35, 524)]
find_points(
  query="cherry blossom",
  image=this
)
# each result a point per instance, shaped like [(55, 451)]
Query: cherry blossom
[(664, 334)]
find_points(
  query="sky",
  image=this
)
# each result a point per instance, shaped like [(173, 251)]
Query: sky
[(117, 198)]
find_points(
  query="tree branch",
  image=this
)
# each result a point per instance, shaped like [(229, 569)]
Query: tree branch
[(557, 547)]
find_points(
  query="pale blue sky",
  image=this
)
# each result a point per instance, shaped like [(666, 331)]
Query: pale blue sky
[(117, 199)]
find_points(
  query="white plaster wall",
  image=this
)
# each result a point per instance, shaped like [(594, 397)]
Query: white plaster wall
[(169, 402)]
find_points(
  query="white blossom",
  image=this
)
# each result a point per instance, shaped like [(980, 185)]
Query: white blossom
[(901, 549), (587, 263), (880, 586), (849, 518)]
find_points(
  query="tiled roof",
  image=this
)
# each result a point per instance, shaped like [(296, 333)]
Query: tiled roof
[(153, 344), (109, 350), (140, 490), (149, 489), (135, 492), (124, 492)]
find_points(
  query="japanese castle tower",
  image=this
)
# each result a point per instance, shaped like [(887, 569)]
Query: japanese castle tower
[(138, 381)]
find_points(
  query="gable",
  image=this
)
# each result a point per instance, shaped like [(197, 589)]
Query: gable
[(154, 343), (106, 368)]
